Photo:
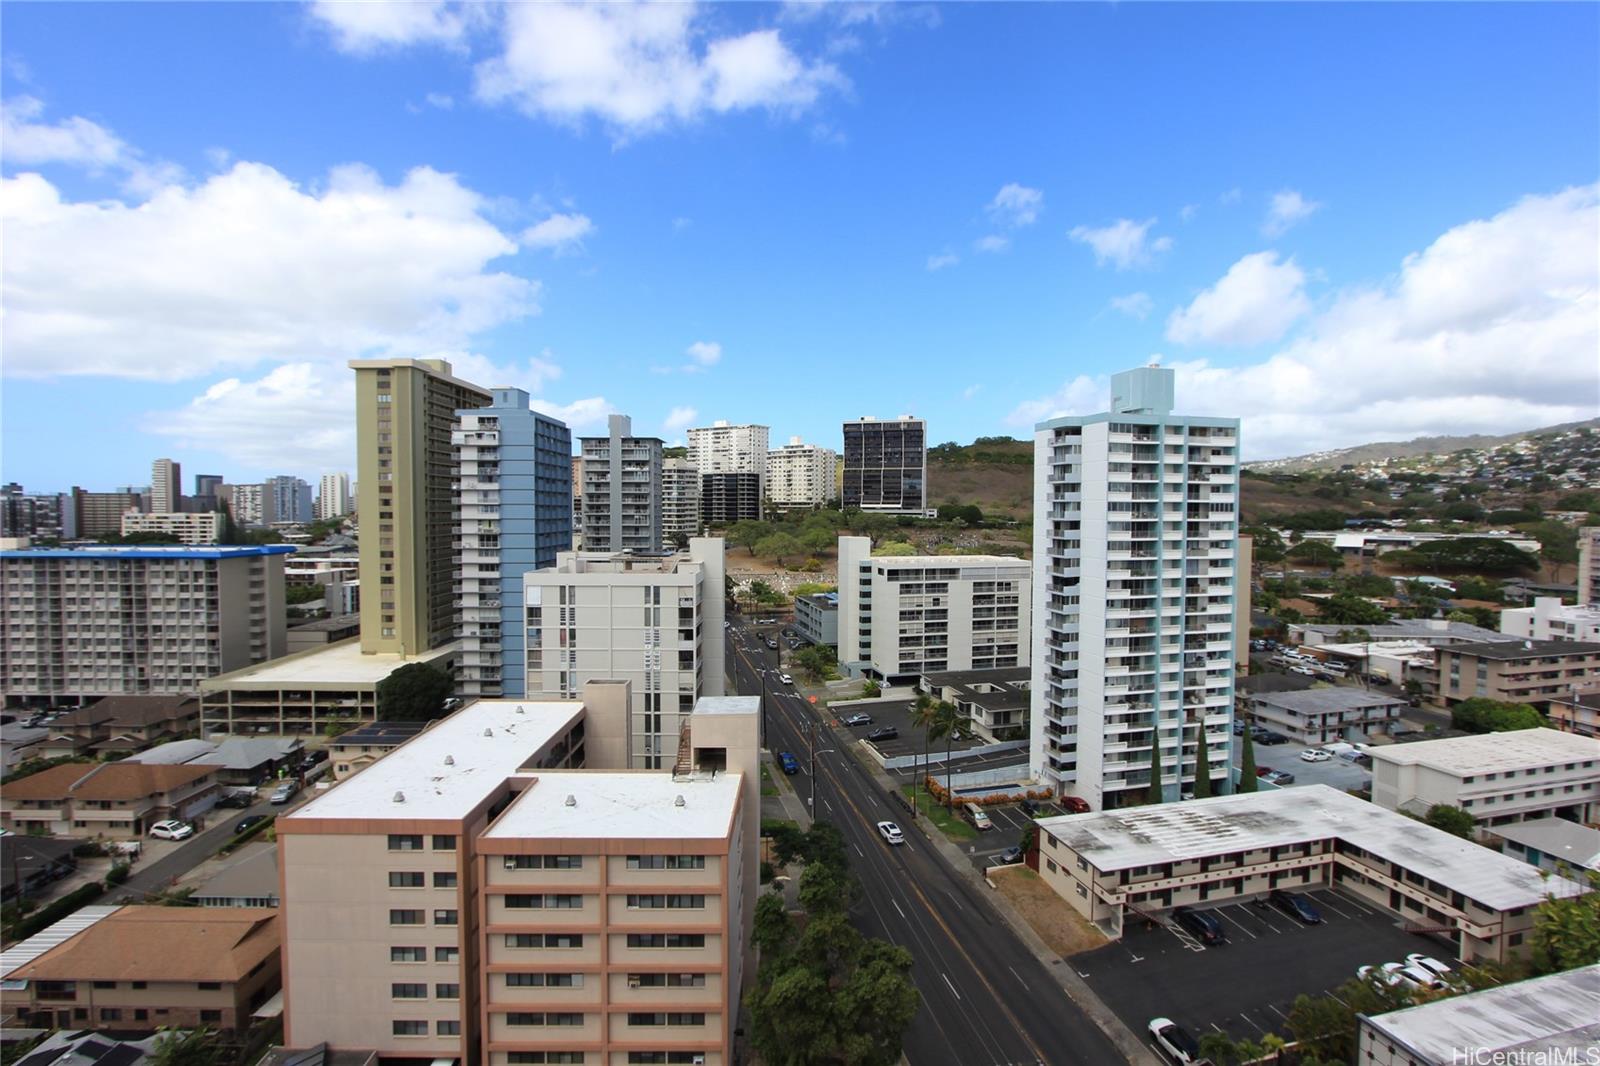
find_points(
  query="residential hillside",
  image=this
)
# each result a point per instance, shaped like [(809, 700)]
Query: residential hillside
[(1432, 447)]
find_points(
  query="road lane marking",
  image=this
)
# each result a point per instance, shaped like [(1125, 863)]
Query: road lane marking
[(947, 982), (859, 851), (897, 909)]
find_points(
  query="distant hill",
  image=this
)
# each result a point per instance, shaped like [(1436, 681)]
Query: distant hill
[(1367, 453), (996, 473)]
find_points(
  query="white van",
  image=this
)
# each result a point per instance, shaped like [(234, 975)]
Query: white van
[(978, 818)]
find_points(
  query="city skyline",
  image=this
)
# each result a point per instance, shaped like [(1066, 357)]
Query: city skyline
[(609, 247)]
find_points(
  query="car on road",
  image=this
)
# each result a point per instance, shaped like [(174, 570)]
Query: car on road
[(283, 794), (1417, 960), (790, 764), (891, 833), (1295, 906), (858, 719), (727, 624), (785, 679), (1203, 926), (772, 644), (1010, 857), (1174, 1040), (1314, 755), (884, 732), (247, 824), (172, 831)]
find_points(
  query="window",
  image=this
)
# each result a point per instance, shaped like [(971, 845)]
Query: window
[(549, 1018), (552, 901), (408, 954), (666, 940), (444, 880), (406, 991), (666, 862), (663, 901), (447, 991), (141, 1015), (405, 879), (405, 917), (446, 954), (441, 842), (110, 1014), (672, 1058), (666, 980), (211, 1016), (544, 980), (140, 984), (540, 1058), (105, 984), (410, 1028), (445, 917), (405, 841), (449, 1027), (666, 1018), (544, 862), (209, 986)]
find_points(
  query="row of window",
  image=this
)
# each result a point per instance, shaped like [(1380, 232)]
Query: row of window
[(400, 916), (420, 991), (413, 842), (443, 1027), (417, 879), (420, 954)]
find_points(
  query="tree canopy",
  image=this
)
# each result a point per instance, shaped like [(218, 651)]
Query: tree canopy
[(1452, 820), (414, 693), (1472, 555), (1481, 715)]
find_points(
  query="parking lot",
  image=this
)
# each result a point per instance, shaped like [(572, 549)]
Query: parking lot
[(1246, 986), (1339, 773), (1010, 822)]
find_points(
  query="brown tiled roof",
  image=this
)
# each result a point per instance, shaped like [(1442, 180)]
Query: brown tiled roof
[(107, 781), (132, 710), (162, 944)]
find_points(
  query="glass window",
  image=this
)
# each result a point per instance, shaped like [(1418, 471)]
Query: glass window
[(405, 842), (405, 879)]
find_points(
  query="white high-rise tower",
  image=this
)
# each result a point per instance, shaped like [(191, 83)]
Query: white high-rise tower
[(333, 496)]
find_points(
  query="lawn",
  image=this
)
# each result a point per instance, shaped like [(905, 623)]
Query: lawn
[(1064, 930), (769, 784), (951, 824)]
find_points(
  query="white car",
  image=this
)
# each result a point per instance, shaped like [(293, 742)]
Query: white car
[(1314, 755), (172, 831), (1427, 964), (1174, 1040), (891, 833), (785, 679)]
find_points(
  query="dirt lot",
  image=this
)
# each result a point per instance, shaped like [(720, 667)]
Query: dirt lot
[(1058, 925)]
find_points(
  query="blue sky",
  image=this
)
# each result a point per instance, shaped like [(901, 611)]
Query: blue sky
[(1341, 223)]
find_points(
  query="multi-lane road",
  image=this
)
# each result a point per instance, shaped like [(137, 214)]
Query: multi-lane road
[(985, 998)]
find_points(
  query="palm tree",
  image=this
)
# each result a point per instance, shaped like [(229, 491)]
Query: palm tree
[(922, 717), (937, 719)]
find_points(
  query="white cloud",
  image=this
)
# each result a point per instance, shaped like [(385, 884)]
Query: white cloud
[(248, 267), (365, 26), (703, 355), (943, 259), (1188, 211), (992, 243), (588, 413), (1232, 196), (1015, 206), (970, 391), (300, 415), (1134, 305), (1257, 300), (1285, 209), (679, 419), (1125, 243), (77, 142), (442, 101), (681, 223), (1490, 329), (642, 67), (558, 232)]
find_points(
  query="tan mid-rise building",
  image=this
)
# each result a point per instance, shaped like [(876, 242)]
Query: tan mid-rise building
[(190, 527), (405, 412), (1527, 671)]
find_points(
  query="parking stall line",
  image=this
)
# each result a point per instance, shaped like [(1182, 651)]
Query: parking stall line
[(1323, 902), (1354, 904), (1235, 922)]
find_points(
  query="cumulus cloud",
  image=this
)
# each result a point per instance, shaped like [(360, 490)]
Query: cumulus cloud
[(362, 27), (1284, 210), (994, 242), (679, 419), (943, 259), (249, 267), (1490, 329), (704, 354), (1257, 300), (1015, 206), (27, 140), (588, 413), (1124, 243), (558, 232), (643, 67), (1134, 305), (300, 415)]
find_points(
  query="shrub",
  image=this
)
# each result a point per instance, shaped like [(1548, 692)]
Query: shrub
[(45, 917), (119, 873)]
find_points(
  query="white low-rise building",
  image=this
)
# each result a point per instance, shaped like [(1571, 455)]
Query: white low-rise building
[(1550, 619), (1324, 715), (1495, 777), (190, 527)]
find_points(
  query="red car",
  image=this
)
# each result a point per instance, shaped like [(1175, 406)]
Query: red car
[(1263, 771), (1075, 804)]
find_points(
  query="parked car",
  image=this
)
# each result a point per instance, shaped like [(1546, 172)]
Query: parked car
[(1174, 1041), (884, 732), (283, 794), (247, 824), (1203, 926), (891, 833), (1295, 906), (1280, 777), (978, 817), (1011, 856), (1263, 771), (1381, 973), (1075, 804), (790, 764), (772, 644), (858, 719), (1030, 807), (1314, 755), (1238, 728), (1418, 961), (172, 831), (785, 679), (1270, 737), (237, 800)]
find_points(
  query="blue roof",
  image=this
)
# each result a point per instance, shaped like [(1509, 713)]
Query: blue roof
[(148, 551)]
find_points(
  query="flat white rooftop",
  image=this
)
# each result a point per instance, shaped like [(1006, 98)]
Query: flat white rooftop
[(948, 561), (1494, 752), (728, 705), (447, 770), (641, 804), (1223, 825), (336, 665), (1544, 1019)]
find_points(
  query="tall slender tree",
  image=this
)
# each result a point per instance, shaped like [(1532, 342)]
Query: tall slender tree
[(1247, 764), (1155, 795), (1202, 763)]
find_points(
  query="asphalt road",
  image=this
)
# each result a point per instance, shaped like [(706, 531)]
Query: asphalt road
[(985, 998), (150, 878)]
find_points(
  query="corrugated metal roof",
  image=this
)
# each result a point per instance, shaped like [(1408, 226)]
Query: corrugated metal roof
[(59, 933)]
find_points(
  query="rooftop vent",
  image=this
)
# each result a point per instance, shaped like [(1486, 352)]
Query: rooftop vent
[(520, 710), (679, 801), (399, 797), (488, 732), (449, 760), (571, 801)]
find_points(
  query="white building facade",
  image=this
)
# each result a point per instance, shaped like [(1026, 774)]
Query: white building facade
[(1550, 619), (680, 502), (1135, 576), (801, 475), (1495, 777), (190, 527), (655, 622), (333, 496), (721, 448), (166, 486)]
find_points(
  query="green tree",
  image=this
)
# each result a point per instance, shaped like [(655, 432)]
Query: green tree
[(186, 1047), (295, 594), (230, 529), (1482, 715), (1247, 763), (817, 662), (1202, 764), (1558, 544), (748, 533), (894, 547), (1268, 545), (1452, 820), (1566, 930), (1316, 553), (414, 693), (1154, 795), (871, 689), (779, 547), (1342, 608)]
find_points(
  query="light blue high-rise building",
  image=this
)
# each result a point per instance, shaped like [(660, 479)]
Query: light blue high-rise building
[(513, 514)]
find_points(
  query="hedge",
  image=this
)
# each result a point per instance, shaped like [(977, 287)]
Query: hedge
[(937, 791), (49, 915), (240, 839)]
